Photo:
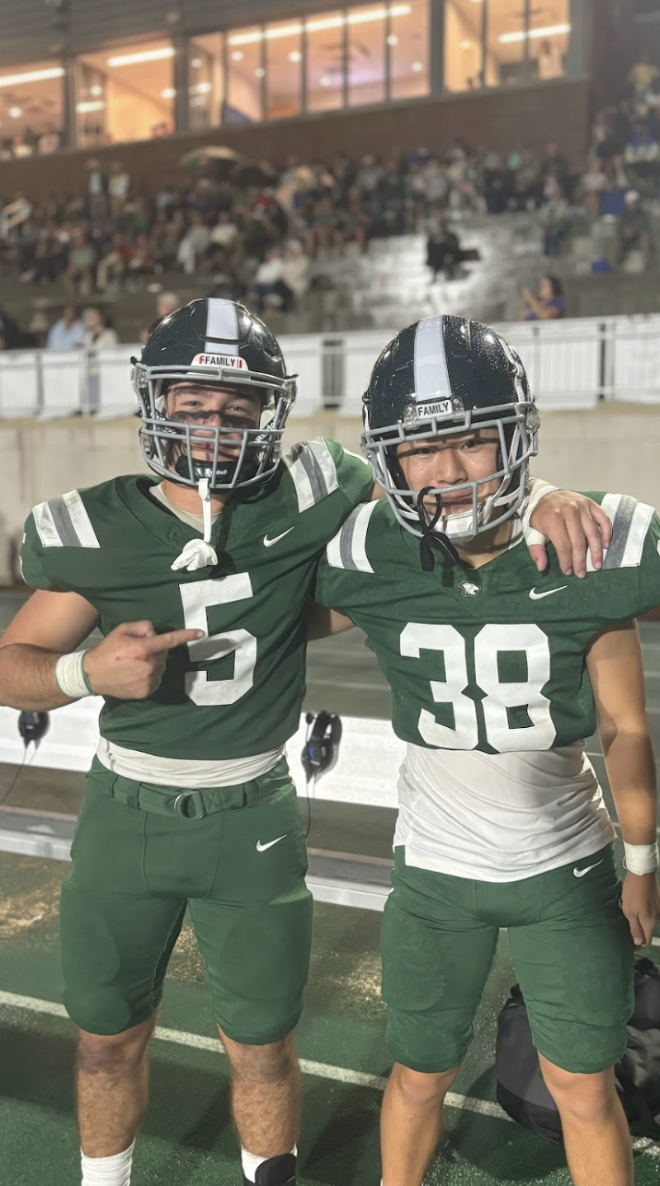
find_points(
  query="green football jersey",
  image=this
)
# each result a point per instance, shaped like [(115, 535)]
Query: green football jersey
[(492, 658), (238, 692)]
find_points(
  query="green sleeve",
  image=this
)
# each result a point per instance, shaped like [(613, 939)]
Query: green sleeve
[(34, 558), (648, 586), (628, 585), (354, 476), (325, 592)]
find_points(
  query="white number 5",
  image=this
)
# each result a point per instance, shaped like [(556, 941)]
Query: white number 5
[(196, 598)]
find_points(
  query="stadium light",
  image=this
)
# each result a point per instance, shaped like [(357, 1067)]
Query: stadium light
[(546, 31), (321, 24), (33, 76), (147, 55)]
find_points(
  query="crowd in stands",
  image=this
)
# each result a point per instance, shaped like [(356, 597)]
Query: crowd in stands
[(252, 235), (257, 240)]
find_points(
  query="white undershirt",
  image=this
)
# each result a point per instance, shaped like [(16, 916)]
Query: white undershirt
[(499, 817), (188, 773), (194, 521)]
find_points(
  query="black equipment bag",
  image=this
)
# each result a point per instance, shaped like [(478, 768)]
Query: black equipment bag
[(522, 1092)]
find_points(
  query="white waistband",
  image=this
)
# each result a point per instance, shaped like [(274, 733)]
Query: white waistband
[(172, 772)]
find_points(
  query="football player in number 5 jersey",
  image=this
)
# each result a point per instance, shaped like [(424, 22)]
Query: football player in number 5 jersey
[(199, 584), (497, 675)]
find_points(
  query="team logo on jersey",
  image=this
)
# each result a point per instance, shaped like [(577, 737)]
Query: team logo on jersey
[(469, 589), (233, 362)]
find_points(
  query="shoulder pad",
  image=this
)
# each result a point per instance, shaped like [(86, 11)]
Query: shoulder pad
[(63, 522), (313, 471), (630, 524), (348, 549)]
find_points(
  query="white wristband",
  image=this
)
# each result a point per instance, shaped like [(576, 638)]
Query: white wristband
[(70, 675), (640, 858), (536, 490)]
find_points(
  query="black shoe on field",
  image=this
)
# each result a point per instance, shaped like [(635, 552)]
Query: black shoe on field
[(276, 1171)]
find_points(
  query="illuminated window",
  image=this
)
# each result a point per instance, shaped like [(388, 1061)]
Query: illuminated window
[(505, 44), (246, 71), (408, 42), (325, 61), (31, 108), (366, 54), (549, 29), (125, 94), (283, 69), (463, 42), (205, 81)]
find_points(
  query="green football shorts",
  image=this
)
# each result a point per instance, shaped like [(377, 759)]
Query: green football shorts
[(235, 856), (571, 949)]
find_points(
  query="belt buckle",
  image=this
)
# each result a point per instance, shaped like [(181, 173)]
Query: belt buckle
[(188, 806)]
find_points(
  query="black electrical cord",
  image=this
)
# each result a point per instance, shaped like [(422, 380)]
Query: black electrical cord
[(32, 727), (319, 752), (24, 764)]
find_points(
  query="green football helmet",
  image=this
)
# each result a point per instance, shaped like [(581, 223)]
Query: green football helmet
[(214, 342), (439, 378)]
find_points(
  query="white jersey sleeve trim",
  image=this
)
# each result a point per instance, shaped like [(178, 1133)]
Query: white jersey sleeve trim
[(348, 549), (630, 524), (63, 522), (313, 472)]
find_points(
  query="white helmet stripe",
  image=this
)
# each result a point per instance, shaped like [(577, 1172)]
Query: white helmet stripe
[(221, 322), (431, 373)]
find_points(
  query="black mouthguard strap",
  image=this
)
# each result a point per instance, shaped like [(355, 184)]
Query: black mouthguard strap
[(432, 540)]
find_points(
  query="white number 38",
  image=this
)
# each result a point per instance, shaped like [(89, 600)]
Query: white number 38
[(499, 695)]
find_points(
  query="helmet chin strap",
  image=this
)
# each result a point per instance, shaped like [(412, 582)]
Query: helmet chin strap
[(431, 540), (199, 553)]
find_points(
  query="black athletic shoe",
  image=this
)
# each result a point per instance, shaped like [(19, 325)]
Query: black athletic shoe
[(276, 1171)]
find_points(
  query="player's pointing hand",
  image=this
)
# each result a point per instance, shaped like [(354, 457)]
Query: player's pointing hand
[(130, 662)]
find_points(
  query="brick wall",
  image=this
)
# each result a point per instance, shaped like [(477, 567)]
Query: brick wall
[(499, 119)]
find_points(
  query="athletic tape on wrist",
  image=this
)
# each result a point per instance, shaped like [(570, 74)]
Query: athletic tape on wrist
[(641, 858), (537, 489), (71, 677)]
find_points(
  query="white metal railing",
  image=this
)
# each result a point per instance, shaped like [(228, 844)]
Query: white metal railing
[(13, 215), (572, 364)]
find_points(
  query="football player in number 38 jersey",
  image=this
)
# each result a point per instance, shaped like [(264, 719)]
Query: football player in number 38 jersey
[(497, 675), (199, 584)]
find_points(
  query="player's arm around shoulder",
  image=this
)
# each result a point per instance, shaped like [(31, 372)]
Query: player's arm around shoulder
[(615, 667), (574, 524)]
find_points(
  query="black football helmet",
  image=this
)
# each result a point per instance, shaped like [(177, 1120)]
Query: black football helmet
[(442, 377), (214, 342)]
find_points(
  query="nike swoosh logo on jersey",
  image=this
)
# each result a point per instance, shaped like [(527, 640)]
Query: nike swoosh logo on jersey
[(262, 847), (547, 592), (268, 543), (581, 872)]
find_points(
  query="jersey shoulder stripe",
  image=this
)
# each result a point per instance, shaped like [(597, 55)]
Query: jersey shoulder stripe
[(630, 524), (63, 522), (348, 549), (313, 472)]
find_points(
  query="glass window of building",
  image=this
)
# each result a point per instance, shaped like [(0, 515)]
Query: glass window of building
[(283, 69), (325, 61), (463, 44), (549, 30), (133, 95), (31, 109), (407, 43), (246, 72), (505, 42), (205, 81), (91, 106), (366, 54)]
